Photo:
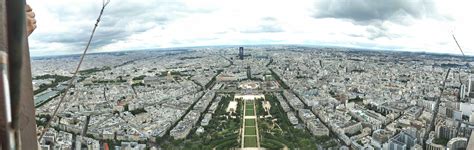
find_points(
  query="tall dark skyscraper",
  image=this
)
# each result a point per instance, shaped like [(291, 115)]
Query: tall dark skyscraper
[(241, 53)]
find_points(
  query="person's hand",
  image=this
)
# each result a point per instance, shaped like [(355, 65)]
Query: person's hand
[(30, 20)]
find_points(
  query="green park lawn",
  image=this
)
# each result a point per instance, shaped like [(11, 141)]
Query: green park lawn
[(250, 141), (249, 122), (249, 105), (249, 112), (250, 131)]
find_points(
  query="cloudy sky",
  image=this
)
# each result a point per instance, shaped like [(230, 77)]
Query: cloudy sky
[(411, 25)]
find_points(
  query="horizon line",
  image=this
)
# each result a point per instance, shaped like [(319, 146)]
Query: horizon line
[(250, 45)]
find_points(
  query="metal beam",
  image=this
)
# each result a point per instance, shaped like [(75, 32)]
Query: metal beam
[(21, 90), (6, 132)]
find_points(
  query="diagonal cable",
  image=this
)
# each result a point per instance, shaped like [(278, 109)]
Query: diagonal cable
[(462, 52), (431, 126), (70, 82), (463, 55)]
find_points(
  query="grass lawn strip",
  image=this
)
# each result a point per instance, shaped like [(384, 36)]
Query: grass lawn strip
[(250, 131), (249, 122), (250, 141)]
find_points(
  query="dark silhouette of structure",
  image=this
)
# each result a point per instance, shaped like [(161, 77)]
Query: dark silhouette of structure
[(241, 53), (249, 73)]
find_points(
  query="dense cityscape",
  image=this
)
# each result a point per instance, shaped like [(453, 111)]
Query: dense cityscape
[(252, 97)]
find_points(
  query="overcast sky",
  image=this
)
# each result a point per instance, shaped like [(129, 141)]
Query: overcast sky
[(414, 25)]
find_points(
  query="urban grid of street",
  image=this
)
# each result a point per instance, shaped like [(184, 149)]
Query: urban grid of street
[(278, 96)]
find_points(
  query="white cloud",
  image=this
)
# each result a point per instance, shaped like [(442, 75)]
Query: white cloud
[(63, 26)]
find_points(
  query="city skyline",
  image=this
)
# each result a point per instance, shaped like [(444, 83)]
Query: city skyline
[(242, 74), (217, 97)]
